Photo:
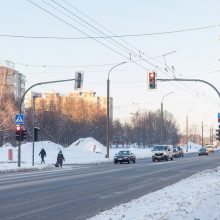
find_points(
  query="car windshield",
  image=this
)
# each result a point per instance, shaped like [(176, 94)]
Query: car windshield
[(159, 148), (202, 149), (174, 150), (123, 152)]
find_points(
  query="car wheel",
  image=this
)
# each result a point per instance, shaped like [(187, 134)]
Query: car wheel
[(115, 162), (120, 162), (167, 158), (153, 159), (128, 161), (134, 161), (171, 158)]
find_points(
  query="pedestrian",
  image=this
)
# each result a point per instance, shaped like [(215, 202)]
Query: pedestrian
[(42, 154), (60, 159)]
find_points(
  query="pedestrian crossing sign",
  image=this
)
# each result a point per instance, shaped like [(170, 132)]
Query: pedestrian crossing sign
[(19, 119)]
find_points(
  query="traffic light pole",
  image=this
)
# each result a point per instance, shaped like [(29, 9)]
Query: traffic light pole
[(193, 80), (20, 107)]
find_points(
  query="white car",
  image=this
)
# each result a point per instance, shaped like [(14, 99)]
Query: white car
[(162, 152)]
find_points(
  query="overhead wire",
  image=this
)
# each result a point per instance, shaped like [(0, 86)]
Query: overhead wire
[(120, 45), (108, 36), (97, 41), (85, 24), (67, 23)]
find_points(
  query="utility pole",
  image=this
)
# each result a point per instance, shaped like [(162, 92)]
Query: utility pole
[(202, 134)]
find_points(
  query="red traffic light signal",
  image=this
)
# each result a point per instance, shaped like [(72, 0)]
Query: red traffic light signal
[(20, 133), (152, 80)]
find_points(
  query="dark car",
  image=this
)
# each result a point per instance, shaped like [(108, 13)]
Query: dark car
[(180, 149), (203, 151), (124, 156)]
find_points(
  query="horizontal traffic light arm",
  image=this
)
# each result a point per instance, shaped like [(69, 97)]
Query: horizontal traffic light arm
[(193, 80)]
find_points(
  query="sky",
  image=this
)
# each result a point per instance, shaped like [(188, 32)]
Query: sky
[(193, 54)]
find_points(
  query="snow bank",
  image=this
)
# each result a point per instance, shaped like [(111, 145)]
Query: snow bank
[(196, 197)]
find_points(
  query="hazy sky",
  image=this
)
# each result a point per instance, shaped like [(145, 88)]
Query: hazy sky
[(197, 53)]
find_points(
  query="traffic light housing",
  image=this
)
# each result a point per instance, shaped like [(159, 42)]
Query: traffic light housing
[(18, 132), (218, 133), (36, 129), (152, 80), (78, 80), (21, 133)]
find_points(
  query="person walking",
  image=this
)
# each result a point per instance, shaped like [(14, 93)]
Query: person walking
[(42, 154), (60, 159)]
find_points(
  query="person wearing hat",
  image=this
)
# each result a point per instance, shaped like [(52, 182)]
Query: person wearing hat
[(60, 159)]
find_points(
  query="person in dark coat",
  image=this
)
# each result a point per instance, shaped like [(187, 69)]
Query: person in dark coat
[(60, 159), (42, 154)]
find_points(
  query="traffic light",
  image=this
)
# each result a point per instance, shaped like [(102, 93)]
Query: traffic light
[(36, 129), (218, 133), (152, 81), (78, 80), (18, 132), (23, 133)]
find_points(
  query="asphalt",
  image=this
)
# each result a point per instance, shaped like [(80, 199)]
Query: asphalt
[(81, 191)]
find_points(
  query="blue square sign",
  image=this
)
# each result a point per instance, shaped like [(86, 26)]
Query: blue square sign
[(19, 119), (219, 117)]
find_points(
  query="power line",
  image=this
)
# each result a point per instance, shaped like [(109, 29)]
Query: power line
[(95, 38), (72, 26), (109, 36)]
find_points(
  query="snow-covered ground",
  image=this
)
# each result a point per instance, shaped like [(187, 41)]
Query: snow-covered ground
[(196, 198), (83, 151)]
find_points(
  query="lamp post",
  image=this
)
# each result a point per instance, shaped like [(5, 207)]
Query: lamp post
[(187, 127), (20, 107), (161, 124), (107, 122), (33, 119)]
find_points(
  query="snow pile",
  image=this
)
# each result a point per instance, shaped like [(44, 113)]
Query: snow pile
[(196, 197), (51, 149), (192, 147), (88, 144), (84, 151)]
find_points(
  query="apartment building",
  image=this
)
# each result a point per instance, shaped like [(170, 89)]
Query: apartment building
[(14, 80)]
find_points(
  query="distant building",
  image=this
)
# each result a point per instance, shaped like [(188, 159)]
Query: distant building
[(101, 101), (14, 80), (89, 96)]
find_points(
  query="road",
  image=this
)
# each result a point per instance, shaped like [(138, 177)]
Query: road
[(81, 191)]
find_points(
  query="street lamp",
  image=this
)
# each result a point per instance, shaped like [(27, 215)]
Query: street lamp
[(20, 106), (187, 127), (161, 125), (36, 95), (107, 122)]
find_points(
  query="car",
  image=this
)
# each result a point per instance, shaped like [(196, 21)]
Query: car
[(124, 156), (176, 152), (203, 151), (162, 152), (210, 148), (180, 149)]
